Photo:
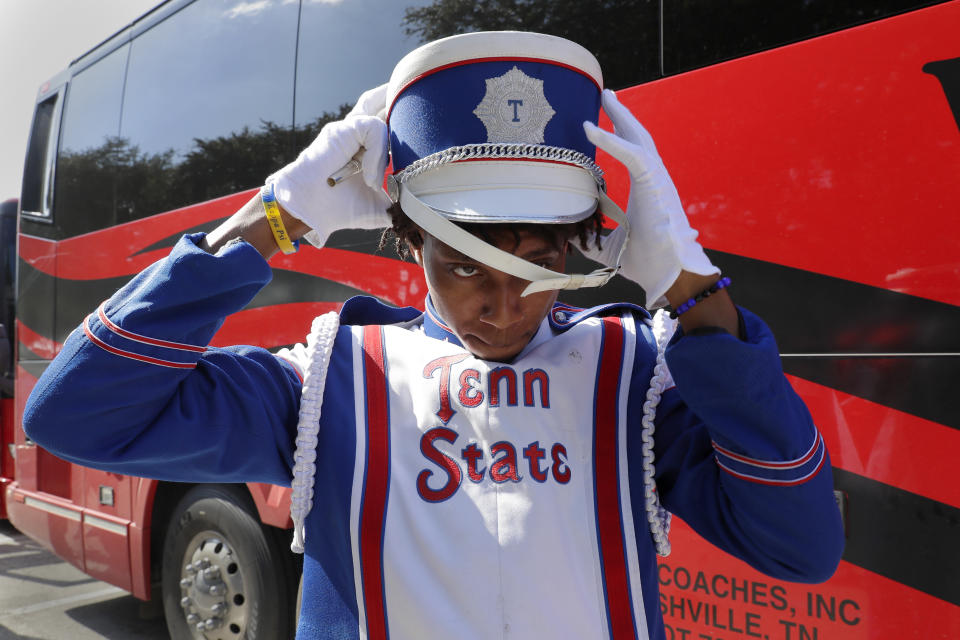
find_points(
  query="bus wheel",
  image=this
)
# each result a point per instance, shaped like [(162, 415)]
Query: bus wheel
[(224, 574)]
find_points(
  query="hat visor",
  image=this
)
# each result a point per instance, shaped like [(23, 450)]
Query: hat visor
[(508, 191)]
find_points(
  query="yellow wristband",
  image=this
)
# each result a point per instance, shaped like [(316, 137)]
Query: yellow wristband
[(280, 234)]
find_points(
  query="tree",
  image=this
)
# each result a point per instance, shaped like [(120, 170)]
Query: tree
[(622, 34), (116, 182)]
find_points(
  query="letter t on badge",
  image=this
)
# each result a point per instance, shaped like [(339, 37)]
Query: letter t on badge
[(515, 104)]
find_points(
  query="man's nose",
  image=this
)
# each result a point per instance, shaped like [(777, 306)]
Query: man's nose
[(502, 306)]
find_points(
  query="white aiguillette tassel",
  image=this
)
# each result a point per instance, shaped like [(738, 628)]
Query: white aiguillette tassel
[(659, 518), (319, 347)]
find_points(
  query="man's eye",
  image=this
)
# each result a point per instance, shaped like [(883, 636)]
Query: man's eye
[(465, 270)]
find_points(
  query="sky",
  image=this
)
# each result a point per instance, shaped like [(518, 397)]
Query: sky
[(38, 38)]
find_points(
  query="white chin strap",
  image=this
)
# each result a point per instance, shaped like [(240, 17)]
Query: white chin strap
[(541, 279)]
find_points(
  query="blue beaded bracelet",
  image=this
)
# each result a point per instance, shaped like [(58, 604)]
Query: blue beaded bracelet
[(722, 283)]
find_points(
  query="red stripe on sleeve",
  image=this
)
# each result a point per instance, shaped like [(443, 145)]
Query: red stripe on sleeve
[(774, 482), (133, 356), (144, 339), (765, 464)]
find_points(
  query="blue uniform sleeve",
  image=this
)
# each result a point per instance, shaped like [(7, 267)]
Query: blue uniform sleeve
[(135, 389), (738, 456)]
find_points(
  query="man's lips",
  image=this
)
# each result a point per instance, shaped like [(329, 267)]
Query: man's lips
[(494, 342), (485, 342)]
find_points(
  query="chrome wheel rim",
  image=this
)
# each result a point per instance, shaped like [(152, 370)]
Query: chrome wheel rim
[(213, 596)]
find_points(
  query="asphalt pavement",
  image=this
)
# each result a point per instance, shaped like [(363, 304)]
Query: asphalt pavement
[(44, 598)]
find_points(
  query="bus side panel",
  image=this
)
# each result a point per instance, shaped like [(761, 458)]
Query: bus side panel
[(706, 594), (837, 155), (144, 494), (822, 177), (305, 285), (36, 284), (6, 455), (25, 450), (106, 498), (53, 522), (32, 504)]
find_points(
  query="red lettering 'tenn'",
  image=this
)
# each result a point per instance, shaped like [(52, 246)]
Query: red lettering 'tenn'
[(444, 364), (498, 387)]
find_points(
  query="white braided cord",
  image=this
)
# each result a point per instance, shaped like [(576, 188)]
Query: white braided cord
[(658, 517), (499, 151), (319, 347)]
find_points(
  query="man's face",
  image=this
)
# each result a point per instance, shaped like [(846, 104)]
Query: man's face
[(482, 305)]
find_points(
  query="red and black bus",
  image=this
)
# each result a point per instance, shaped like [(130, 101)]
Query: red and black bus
[(8, 270), (815, 144)]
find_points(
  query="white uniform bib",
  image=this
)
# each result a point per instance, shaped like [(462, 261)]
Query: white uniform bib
[(477, 483)]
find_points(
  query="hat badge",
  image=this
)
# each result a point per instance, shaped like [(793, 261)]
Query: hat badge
[(514, 108)]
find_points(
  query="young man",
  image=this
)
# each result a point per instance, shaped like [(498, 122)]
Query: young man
[(487, 468)]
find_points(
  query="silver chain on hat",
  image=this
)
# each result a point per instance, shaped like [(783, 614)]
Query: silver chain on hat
[(499, 151)]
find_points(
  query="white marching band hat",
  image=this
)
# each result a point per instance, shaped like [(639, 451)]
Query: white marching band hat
[(487, 127)]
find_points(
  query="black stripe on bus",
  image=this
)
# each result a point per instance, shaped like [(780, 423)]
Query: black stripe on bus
[(293, 286), (811, 313), (34, 367), (77, 298), (35, 299), (922, 386), (32, 363), (901, 535), (814, 313), (171, 240), (359, 240)]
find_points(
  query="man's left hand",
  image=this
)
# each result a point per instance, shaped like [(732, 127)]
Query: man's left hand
[(662, 244)]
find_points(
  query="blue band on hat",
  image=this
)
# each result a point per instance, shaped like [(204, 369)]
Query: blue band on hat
[(437, 110)]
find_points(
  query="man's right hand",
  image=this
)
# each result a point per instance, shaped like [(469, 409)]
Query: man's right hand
[(357, 202)]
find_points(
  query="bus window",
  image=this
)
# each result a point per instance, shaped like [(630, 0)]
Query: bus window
[(334, 66), (624, 35), (333, 69), (208, 105), (35, 191), (700, 32), (90, 155)]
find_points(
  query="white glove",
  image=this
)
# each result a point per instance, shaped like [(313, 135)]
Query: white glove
[(661, 242), (301, 186)]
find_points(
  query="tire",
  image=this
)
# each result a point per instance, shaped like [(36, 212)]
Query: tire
[(223, 569)]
